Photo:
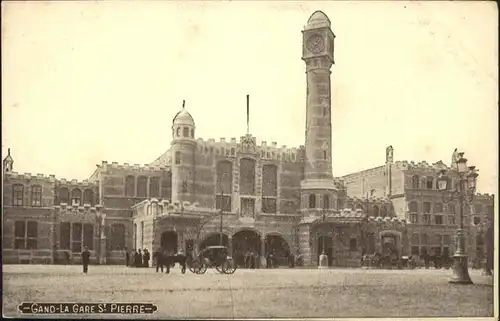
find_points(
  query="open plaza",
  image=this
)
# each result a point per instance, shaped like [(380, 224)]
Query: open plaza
[(259, 293)]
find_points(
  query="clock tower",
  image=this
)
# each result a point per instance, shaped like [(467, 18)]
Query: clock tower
[(317, 188)]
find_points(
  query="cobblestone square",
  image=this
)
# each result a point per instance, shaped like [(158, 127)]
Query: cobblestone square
[(263, 293)]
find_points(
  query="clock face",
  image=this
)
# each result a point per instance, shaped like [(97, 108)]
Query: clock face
[(315, 44)]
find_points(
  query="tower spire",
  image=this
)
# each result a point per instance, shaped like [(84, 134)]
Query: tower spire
[(248, 114), (183, 104)]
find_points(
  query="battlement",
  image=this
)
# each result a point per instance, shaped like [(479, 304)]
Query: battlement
[(231, 147), (86, 208), (50, 179), (423, 165), (385, 220), (485, 196), (371, 199), (136, 167)]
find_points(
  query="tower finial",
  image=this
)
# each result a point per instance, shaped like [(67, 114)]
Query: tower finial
[(8, 151), (183, 104), (248, 114)]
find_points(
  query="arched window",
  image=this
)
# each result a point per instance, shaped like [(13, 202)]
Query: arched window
[(154, 187), (438, 208), (430, 182), (192, 132), (63, 195), (76, 197), (142, 183), (247, 176), (269, 188), (17, 194), (177, 158), (178, 131), (326, 201), (415, 183), (36, 195), (375, 210), (117, 237), (185, 132), (312, 201), (88, 197), (451, 208), (130, 186), (224, 185), (427, 207), (413, 207)]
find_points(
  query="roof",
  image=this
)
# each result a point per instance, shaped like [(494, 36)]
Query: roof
[(318, 20), (183, 118)]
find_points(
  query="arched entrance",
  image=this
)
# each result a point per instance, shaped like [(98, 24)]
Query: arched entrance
[(325, 242), (244, 243), (169, 242), (279, 248), (389, 242), (214, 239)]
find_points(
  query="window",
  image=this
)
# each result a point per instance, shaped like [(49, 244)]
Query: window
[(312, 201), (18, 197), (427, 219), (415, 250), (438, 239), (185, 132), (451, 208), (178, 131), (65, 236), (438, 219), (423, 239), (36, 195), (426, 207), (76, 197), (269, 180), (247, 207), (446, 240), (63, 195), (436, 250), (177, 158), (25, 235), (88, 236), (375, 210), (154, 187), (76, 237), (117, 237), (324, 154), (88, 197), (478, 208), (192, 132), (223, 202), (269, 205), (413, 207), (353, 245), (415, 238), (130, 186), (142, 183), (326, 201), (430, 182), (477, 220), (383, 211), (414, 218), (415, 182), (247, 176), (451, 220), (438, 208)]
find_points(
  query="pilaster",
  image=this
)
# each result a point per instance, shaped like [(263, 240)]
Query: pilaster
[(304, 239)]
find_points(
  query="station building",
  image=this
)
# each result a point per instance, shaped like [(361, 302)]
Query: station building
[(263, 197)]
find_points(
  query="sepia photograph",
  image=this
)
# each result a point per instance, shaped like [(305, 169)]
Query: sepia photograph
[(250, 159)]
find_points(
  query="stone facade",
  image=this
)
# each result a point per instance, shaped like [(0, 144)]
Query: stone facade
[(251, 197)]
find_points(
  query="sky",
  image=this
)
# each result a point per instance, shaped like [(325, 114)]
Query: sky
[(84, 82)]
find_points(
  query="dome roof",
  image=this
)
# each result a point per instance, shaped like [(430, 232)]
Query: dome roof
[(318, 20), (183, 118)]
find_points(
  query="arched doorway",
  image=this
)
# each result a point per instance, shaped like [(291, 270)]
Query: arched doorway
[(326, 242), (169, 242), (245, 242), (279, 248), (389, 244), (214, 239)]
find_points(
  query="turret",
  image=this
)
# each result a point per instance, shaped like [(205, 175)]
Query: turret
[(8, 162)]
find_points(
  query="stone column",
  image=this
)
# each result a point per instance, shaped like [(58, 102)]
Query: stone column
[(103, 249), (263, 252)]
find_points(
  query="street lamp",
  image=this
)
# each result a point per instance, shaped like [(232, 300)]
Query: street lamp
[(464, 192)]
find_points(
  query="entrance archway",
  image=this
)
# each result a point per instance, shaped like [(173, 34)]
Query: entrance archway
[(214, 239), (279, 248), (389, 242), (326, 242), (169, 242), (244, 242)]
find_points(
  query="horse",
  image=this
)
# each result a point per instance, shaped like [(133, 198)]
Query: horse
[(170, 260)]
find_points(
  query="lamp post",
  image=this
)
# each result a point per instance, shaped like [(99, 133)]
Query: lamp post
[(323, 258), (464, 192)]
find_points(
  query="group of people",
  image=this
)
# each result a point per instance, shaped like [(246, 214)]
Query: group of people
[(137, 258)]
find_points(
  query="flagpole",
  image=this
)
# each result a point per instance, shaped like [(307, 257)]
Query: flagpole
[(248, 114)]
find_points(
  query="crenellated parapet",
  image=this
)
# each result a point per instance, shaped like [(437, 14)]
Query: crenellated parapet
[(484, 196), (387, 223), (28, 176), (423, 165), (128, 167), (84, 209), (248, 144), (75, 183)]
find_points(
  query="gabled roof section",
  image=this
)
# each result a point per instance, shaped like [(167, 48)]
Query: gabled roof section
[(163, 160)]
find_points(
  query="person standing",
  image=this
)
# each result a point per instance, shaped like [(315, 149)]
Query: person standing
[(127, 257), (85, 259), (138, 258), (145, 258), (158, 257)]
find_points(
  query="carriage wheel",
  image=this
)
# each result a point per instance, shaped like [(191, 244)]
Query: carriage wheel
[(220, 268), (229, 266), (202, 268)]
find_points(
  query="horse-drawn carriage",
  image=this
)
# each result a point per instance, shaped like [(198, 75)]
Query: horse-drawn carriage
[(212, 256)]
